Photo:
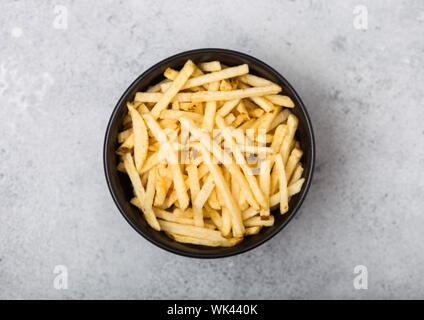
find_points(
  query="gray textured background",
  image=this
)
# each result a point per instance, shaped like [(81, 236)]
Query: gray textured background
[(363, 90)]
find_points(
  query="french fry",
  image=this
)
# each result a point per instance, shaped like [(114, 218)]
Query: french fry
[(210, 66), (250, 231), (176, 114), (157, 96), (230, 203), (280, 100), (228, 106), (139, 191), (223, 157), (284, 205), (234, 94), (265, 184), (172, 158), (292, 162), (241, 161), (193, 182), (210, 109), (176, 85), (191, 231), (297, 174), (255, 81), (205, 242), (292, 123), (258, 221), (141, 138)]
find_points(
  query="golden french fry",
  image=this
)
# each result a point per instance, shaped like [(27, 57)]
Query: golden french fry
[(258, 221), (234, 94), (176, 85), (280, 100), (210, 66), (250, 231), (139, 191), (221, 184), (297, 174), (284, 202), (255, 81), (292, 162), (210, 109), (141, 138)]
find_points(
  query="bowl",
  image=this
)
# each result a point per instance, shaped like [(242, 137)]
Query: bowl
[(120, 185)]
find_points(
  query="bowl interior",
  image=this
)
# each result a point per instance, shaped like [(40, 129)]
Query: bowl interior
[(120, 185)]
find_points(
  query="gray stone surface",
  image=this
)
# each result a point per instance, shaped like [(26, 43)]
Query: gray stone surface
[(364, 92)]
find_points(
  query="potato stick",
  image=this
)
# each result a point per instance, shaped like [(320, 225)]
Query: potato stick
[(223, 157), (216, 218), (241, 161), (226, 216), (123, 135), (284, 206), (293, 189), (253, 230), (292, 123), (188, 213), (176, 86), (204, 193), (227, 107), (210, 109), (127, 146), (241, 108), (247, 125), (216, 76), (205, 242), (256, 113), (172, 158), (249, 213), (278, 138), (151, 161), (280, 118), (193, 240), (239, 120), (176, 114), (229, 119), (297, 174), (213, 200), (266, 120), (265, 184), (170, 74), (156, 96), (292, 162), (225, 86), (222, 186), (234, 94), (265, 104), (280, 100), (193, 182), (139, 191), (210, 66), (141, 138), (192, 231), (257, 221), (150, 189), (255, 81), (202, 170)]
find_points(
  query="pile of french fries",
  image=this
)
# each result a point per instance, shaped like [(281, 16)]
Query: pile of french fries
[(210, 152)]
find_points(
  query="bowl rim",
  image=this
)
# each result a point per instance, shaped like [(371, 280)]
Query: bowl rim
[(122, 100)]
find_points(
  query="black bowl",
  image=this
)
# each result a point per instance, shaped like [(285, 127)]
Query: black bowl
[(120, 185)]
